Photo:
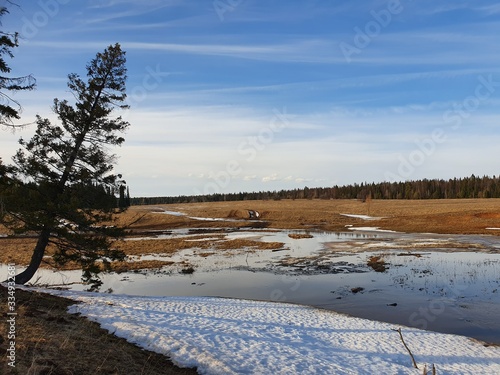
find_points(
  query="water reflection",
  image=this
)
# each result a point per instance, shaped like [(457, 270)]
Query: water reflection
[(438, 282)]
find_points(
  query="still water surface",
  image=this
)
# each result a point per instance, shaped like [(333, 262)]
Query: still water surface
[(442, 283)]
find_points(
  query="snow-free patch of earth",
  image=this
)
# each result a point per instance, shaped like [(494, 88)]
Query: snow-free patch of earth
[(234, 336)]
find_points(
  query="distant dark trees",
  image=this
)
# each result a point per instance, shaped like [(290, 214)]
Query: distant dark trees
[(468, 187), (124, 197)]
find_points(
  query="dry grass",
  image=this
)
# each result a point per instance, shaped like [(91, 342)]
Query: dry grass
[(467, 216), (16, 250), (51, 341), (377, 263), (170, 246), (299, 236), (119, 267)]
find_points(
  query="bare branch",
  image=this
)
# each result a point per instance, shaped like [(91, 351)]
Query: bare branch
[(406, 346)]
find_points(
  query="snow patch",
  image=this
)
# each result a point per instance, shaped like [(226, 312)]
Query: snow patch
[(172, 213), (233, 336), (363, 217), (177, 213), (372, 229)]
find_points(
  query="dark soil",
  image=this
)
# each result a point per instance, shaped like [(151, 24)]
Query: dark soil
[(51, 341)]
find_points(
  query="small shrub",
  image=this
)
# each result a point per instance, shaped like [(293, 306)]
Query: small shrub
[(187, 271), (357, 290)]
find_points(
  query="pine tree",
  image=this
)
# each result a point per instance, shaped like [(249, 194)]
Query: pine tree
[(9, 108), (52, 167)]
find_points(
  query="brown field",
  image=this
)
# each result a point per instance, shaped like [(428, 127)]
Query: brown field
[(464, 216)]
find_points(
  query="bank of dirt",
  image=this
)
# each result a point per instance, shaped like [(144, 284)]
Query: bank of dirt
[(48, 340)]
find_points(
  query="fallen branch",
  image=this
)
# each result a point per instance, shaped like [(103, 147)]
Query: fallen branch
[(406, 346)]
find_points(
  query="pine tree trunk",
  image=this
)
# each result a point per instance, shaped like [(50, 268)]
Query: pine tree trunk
[(44, 236), (36, 258)]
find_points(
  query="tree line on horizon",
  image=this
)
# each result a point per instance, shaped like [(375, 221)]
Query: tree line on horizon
[(456, 188)]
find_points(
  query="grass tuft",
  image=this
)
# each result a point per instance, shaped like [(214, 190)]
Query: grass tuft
[(377, 263)]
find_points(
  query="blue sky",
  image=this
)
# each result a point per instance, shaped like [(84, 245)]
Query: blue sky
[(244, 95)]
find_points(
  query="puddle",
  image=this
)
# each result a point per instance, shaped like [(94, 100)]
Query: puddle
[(445, 283)]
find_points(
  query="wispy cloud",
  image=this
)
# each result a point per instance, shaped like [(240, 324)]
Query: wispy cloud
[(132, 11), (100, 4), (492, 9)]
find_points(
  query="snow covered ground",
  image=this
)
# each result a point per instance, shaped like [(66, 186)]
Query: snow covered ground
[(366, 229), (362, 217), (371, 229), (233, 336)]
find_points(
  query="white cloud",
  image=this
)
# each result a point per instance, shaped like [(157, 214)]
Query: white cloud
[(272, 177)]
